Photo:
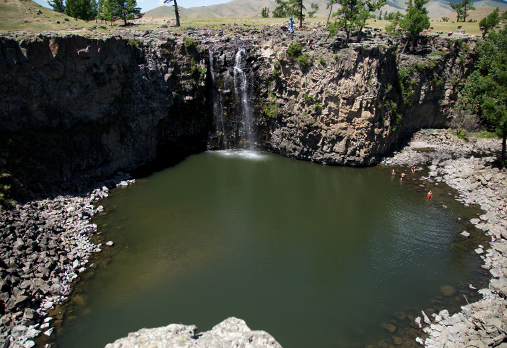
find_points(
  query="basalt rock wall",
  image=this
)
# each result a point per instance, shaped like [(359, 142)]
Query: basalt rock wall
[(74, 106)]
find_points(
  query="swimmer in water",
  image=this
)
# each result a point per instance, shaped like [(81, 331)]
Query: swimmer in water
[(430, 194)]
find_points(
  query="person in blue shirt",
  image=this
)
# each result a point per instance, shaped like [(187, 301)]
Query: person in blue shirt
[(291, 26)]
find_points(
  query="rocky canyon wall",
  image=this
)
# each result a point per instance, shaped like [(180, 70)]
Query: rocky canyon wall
[(73, 106)]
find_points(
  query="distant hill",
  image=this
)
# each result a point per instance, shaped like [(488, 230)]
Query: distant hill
[(252, 8)]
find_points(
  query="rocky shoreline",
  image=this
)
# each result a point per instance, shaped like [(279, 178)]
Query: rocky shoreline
[(468, 168), (45, 245)]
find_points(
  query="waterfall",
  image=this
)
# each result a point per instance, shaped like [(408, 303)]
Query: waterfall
[(231, 91), (242, 90), (218, 113)]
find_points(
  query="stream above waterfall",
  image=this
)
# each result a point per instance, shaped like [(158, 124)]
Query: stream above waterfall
[(315, 255)]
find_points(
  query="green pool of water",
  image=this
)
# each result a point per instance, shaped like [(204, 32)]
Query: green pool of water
[(317, 256)]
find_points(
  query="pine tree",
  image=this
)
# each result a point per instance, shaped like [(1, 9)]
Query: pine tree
[(396, 19), (82, 9), (457, 8), (354, 14), (466, 4), (315, 8), (176, 11), (57, 5), (106, 11), (265, 12), (416, 19), (489, 22), (126, 9), (290, 8)]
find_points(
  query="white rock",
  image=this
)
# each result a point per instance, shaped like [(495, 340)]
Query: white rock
[(418, 321), (426, 319), (465, 234), (49, 332), (110, 243)]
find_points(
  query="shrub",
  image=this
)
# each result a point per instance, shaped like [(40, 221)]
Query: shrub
[(275, 73), (277, 64), (437, 83), (294, 50), (270, 109), (432, 64), (308, 99), (305, 61), (322, 61), (134, 43), (317, 107), (190, 44)]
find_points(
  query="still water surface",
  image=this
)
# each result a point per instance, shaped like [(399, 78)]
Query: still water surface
[(317, 256)]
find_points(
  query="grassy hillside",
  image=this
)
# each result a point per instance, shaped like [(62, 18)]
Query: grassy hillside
[(17, 15), (252, 8)]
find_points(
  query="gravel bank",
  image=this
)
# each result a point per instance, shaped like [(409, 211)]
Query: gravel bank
[(468, 168), (45, 244)]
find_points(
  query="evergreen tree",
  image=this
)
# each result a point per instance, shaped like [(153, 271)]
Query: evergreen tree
[(489, 22), (57, 5), (106, 11), (315, 8), (290, 8), (329, 5), (353, 14), (396, 19), (485, 91), (279, 13), (82, 9), (176, 11), (265, 12), (126, 9), (457, 8), (416, 19), (466, 5)]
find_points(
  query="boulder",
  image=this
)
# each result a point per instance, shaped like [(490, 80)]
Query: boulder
[(232, 332)]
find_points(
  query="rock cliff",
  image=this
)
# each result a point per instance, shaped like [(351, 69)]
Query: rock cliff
[(73, 106)]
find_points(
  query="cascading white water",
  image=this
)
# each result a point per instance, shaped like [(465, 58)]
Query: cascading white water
[(217, 104), (242, 92)]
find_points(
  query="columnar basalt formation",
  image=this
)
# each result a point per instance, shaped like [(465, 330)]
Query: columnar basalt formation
[(73, 106)]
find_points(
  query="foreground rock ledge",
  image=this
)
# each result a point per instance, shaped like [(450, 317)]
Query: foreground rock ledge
[(232, 332)]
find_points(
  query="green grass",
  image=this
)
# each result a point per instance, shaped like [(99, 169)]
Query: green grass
[(486, 134)]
